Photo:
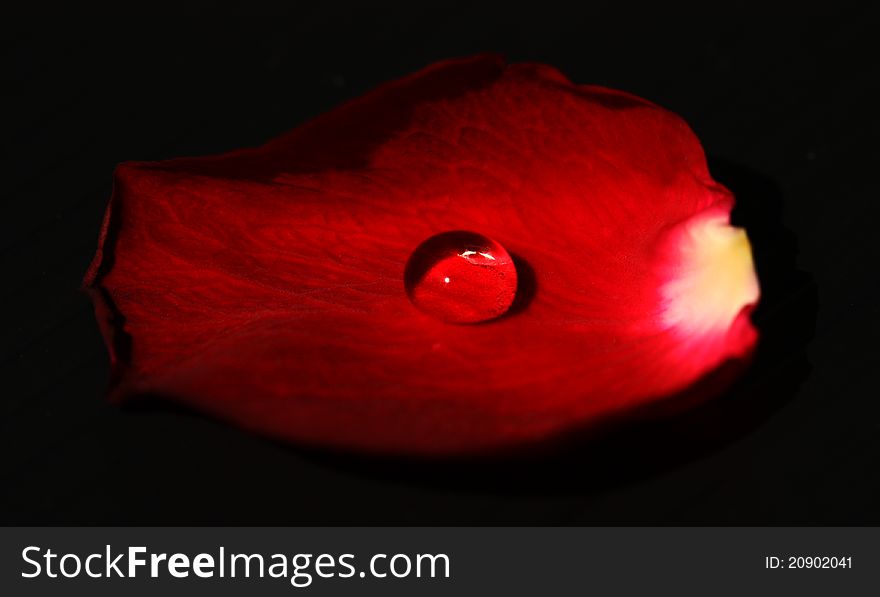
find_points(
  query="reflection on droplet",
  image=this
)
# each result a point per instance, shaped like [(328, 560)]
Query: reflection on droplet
[(461, 277)]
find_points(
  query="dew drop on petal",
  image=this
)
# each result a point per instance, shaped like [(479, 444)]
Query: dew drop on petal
[(461, 277)]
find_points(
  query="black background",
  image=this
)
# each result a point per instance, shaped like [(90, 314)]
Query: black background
[(781, 103)]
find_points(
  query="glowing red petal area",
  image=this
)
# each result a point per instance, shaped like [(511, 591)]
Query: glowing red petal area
[(270, 286)]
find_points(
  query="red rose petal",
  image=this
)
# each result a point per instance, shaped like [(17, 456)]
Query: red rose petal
[(266, 286)]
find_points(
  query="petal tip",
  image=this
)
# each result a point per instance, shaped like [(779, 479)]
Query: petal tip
[(713, 281)]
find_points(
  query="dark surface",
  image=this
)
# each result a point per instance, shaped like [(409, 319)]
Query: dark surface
[(781, 105)]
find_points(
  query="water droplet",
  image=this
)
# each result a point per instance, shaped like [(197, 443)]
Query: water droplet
[(461, 277)]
